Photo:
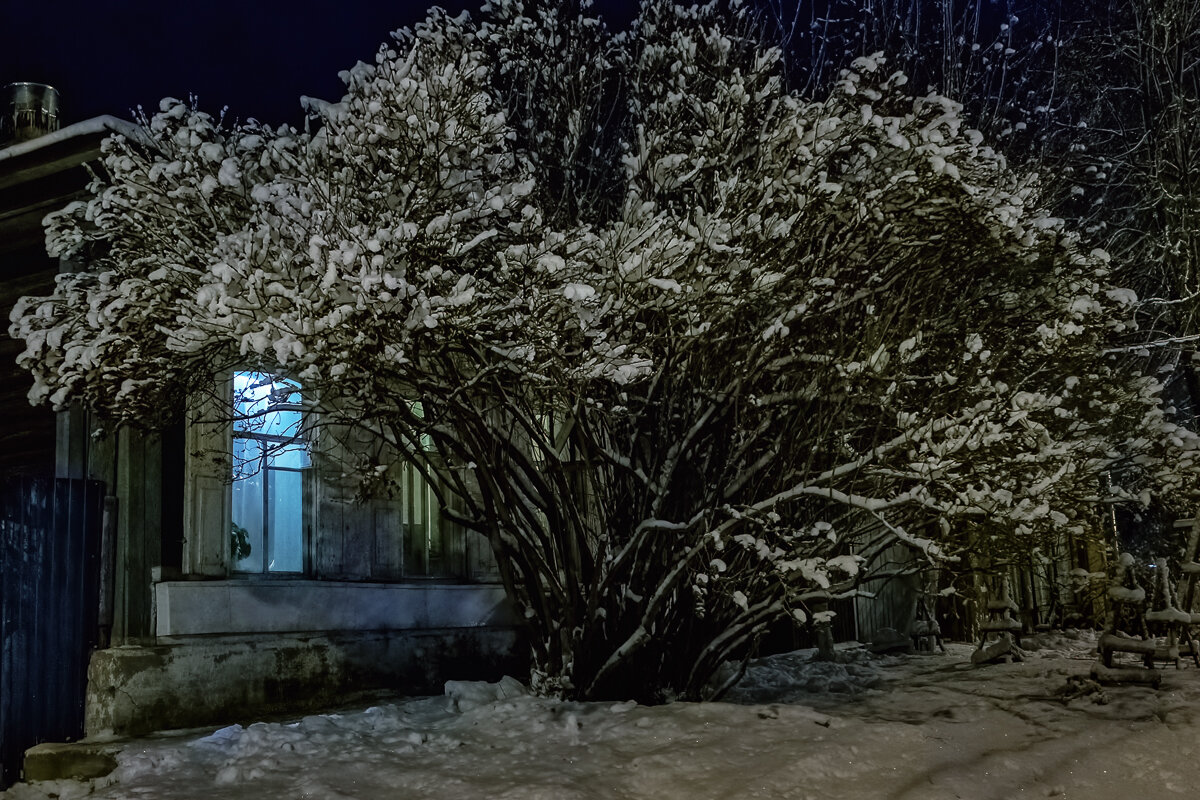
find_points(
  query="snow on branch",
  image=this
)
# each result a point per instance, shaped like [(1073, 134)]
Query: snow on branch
[(678, 333)]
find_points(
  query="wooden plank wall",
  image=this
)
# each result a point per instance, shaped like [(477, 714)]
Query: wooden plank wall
[(135, 470), (26, 432), (392, 538), (389, 539), (138, 534), (895, 599)]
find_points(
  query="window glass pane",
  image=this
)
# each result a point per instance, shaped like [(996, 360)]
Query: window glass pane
[(268, 489), (289, 456), (280, 423), (415, 562), (433, 532), (286, 535), (247, 457), (246, 537), (249, 390), (261, 405), (423, 526), (419, 411)]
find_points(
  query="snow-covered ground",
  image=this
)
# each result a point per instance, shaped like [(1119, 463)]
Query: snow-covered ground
[(909, 726)]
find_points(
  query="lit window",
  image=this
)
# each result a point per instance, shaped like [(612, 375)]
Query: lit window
[(269, 459), (423, 525)]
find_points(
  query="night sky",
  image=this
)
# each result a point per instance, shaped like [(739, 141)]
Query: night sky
[(257, 57)]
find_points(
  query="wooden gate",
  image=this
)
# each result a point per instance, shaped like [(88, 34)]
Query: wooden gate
[(50, 532)]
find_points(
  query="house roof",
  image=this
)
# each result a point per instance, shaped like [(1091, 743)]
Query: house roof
[(43, 174), (36, 177)]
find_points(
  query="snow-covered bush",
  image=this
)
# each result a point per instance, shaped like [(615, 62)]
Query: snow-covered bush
[(670, 335)]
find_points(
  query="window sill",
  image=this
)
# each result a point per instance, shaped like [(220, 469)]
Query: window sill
[(300, 605)]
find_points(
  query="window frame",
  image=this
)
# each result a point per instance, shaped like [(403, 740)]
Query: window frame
[(270, 443), (339, 543)]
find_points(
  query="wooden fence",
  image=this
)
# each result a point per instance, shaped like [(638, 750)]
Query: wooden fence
[(50, 535)]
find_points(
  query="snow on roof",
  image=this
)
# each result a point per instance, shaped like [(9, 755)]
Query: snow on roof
[(96, 125)]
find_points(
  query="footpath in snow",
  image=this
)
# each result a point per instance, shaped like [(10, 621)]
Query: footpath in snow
[(910, 726)]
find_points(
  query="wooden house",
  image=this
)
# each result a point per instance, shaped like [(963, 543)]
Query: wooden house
[(226, 570)]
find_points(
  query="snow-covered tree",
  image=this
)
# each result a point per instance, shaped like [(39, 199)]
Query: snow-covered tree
[(671, 336), (1099, 97)]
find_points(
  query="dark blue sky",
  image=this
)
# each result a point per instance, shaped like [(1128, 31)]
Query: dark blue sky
[(255, 56)]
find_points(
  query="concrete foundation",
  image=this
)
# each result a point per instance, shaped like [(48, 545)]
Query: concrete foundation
[(136, 690), (77, 761)]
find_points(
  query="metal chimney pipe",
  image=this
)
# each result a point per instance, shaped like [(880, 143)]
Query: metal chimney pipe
[(27, 111)]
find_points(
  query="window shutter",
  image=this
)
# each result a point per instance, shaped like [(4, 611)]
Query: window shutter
[(475, 552), (333, 499), (207, 472), (353, 540)]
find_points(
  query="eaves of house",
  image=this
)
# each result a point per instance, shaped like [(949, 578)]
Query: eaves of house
[(36, 177)]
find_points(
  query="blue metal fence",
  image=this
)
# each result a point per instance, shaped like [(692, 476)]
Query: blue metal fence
[(50, 533)]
